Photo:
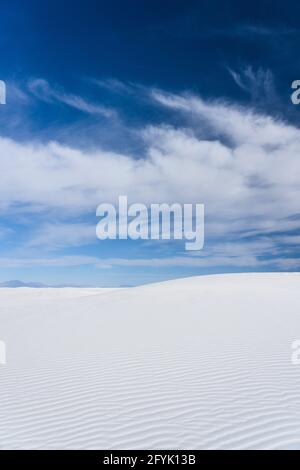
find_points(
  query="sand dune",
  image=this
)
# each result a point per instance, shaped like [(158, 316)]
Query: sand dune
[(197, 363)]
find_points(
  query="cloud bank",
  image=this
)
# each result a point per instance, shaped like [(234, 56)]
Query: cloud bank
[(243, 165)]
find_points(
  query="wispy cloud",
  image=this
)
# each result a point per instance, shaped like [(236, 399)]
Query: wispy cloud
[(114, 85), (262, 30), (61, 261), (59, 235), (44, 91), (259, 84)]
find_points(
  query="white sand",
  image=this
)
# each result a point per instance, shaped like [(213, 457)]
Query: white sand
[(196, 363)]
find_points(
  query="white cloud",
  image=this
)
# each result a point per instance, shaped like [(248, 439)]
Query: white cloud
[(247, 174), (238, 124), (209, 261), (59, 235), (62, 261)]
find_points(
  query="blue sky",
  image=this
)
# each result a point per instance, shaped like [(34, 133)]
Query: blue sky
[(163, 101)]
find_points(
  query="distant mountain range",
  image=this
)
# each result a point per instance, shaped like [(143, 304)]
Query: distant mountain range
[(16, 283), (37, 285)]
